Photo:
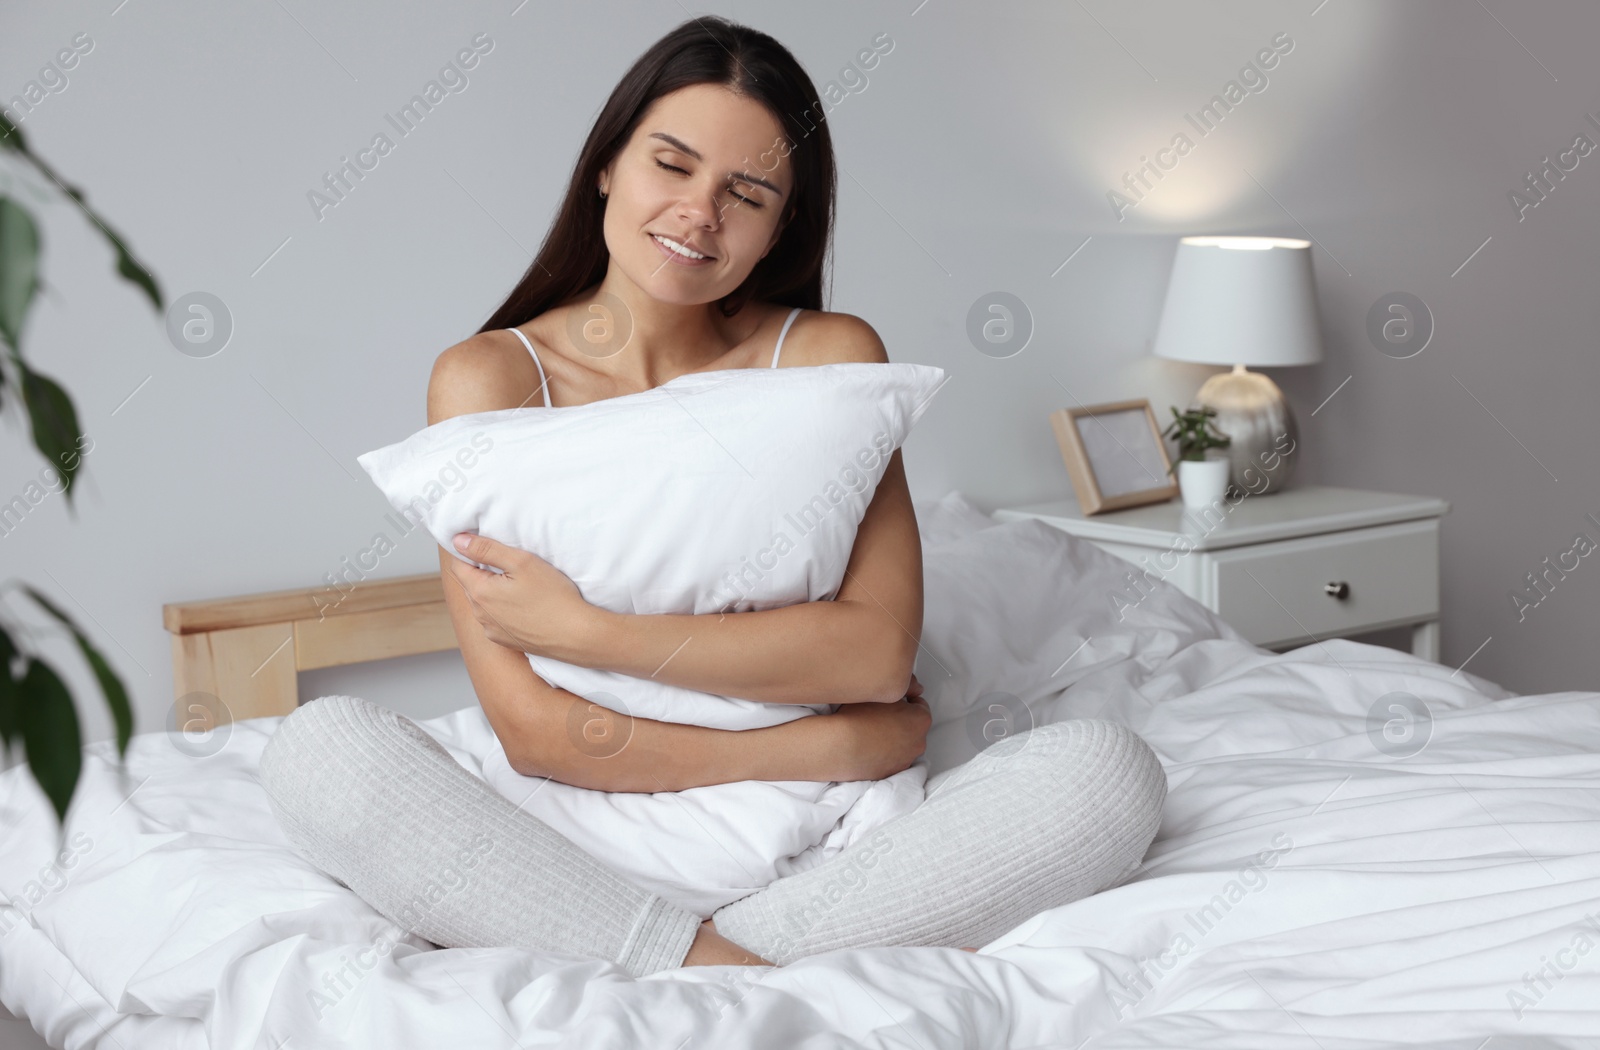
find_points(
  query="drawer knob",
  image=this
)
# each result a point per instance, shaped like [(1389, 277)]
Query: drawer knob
[(1338, 589)]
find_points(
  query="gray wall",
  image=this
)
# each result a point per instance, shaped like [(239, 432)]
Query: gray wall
[(976, 158)]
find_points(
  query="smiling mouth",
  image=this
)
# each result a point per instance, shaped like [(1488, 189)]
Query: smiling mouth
[(679, 253)]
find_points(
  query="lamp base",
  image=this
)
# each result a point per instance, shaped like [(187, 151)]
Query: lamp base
[(1252, 411)]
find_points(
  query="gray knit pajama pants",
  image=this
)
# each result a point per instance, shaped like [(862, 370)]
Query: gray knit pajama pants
[(1034, 821)]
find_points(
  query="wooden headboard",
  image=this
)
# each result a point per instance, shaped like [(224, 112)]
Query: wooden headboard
[(247, 652)]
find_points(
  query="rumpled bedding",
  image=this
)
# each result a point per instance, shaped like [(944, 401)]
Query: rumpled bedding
[(1360, 849)]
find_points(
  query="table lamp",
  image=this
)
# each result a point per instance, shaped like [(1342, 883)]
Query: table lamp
[(1244, 301)]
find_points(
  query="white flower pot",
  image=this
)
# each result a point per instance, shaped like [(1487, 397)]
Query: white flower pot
[(1202, 483)]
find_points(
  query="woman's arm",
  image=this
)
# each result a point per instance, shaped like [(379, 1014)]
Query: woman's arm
[(552, 732), (859, 647)]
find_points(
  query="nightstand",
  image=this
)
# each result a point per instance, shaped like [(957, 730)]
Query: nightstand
[(1284, 569)]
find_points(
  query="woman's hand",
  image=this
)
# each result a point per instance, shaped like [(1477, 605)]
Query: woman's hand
[(530, 605), (879, 740)]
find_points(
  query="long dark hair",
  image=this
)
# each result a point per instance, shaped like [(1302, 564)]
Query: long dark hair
[(704, 50)]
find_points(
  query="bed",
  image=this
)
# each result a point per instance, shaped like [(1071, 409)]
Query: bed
[(1360, 848)]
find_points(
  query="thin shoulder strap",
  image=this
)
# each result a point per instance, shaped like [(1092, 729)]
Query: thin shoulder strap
[(543, 383), (785, 331)]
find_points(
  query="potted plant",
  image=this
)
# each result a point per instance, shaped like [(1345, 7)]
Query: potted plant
[(36, 707), (1202, 480)]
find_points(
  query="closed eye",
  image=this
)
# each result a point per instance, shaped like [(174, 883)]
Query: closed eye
[(680, 171)]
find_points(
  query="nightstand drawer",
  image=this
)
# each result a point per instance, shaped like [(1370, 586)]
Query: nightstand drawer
[(1278, 592)]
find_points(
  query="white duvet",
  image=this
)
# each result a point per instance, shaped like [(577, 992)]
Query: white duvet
[(1317, 881)]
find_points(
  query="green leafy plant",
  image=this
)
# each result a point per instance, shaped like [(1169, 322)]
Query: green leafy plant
[(1194, 432), (36, 708)]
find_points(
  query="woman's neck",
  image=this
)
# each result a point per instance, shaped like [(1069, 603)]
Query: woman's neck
[(662, 340)]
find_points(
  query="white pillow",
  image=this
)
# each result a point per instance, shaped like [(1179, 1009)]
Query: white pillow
[(737, 489), (1015, 614), (949, 518)]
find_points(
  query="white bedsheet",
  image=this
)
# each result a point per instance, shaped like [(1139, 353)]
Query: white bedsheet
[(1366, 900)]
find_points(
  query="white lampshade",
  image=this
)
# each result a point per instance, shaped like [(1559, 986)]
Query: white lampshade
[(1241, 301)]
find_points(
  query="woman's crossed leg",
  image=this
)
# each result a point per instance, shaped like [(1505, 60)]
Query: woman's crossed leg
[(1035, 821), (1032, 822)]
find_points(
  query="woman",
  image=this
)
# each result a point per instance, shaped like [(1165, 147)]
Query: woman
[(697, 220)]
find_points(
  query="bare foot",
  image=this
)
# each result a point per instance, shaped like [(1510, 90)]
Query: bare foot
[(710, 948), (973, 950)]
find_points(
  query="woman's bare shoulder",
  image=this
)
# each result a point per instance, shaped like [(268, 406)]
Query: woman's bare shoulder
[(821, 337), (484, 372)]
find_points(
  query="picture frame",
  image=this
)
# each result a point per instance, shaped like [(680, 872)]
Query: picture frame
[(1115, 455)]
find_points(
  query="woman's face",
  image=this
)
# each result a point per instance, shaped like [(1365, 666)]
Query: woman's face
[(705, 168)]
